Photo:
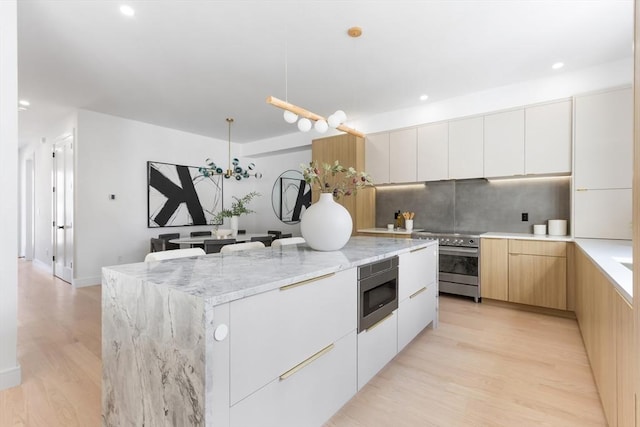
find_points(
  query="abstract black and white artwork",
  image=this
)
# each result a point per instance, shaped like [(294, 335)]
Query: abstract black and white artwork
[(289, 196), (180, 195)]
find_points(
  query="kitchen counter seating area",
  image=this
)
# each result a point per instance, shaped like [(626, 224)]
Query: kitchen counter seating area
[(265, 337)]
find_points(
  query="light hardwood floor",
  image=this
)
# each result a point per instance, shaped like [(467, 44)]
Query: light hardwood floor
[(484, 366)]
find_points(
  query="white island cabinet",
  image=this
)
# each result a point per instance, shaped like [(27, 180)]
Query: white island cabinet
[(265, 337), (418, 291)]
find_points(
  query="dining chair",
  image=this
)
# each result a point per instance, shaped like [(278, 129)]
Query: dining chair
[(169, 236), (287, 241), (213, 246), (175, 253), (266, 240), (157, 245), (198, 234), (241, 247), (276, 233)]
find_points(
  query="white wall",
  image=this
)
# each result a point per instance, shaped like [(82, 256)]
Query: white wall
[(9, 368), (111, 158)]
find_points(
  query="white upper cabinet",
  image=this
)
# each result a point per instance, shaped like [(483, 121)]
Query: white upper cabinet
[(548, 138), (433, 152), (466, 148), (504, 144), (402, 155), (604, 140), (377, 157)]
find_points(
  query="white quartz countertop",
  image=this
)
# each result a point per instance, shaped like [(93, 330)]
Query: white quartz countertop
[(381, 230), (525, 236), (608, 255), (221, 278)]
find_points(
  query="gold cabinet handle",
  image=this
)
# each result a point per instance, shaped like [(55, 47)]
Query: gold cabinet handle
[(418, 292), (306, 362), (378, 323), (305, 282), (581, 189), (419, 249)]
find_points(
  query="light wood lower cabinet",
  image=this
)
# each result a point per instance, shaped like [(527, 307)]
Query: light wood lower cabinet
[(524, 271), (538, 280), (494, 269), (606, 324)]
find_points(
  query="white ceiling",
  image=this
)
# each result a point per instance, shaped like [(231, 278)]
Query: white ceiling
[(190, 64)]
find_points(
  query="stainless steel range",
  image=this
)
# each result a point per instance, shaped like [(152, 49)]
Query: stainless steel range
[(459, 262)]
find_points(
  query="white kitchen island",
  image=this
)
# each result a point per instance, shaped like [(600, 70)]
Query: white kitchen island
[(263, 337)]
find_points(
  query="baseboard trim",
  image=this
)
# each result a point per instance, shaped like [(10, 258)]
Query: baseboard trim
[(86, 281), (42, 265), (10, 378), (532, 308)]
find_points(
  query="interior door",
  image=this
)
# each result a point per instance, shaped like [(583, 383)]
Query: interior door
[(63, 208)]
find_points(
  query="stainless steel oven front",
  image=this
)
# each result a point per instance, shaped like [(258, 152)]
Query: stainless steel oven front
[(459, 271), (377, 291)]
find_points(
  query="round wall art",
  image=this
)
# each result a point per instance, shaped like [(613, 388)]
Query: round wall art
[(290, 196)]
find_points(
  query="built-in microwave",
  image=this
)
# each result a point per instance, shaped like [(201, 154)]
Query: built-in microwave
[(377, 291)]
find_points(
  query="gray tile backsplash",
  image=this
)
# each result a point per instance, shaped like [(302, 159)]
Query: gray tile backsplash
[(476, 204)]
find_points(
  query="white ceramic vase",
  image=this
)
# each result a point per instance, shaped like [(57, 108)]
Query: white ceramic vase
[(233, 224), (326, 225)]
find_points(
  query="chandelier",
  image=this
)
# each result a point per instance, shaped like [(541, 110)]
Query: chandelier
[(234, 169)]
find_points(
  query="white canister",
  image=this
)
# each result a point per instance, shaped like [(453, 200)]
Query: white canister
[(540, 229), (557, 227), (408, 224)]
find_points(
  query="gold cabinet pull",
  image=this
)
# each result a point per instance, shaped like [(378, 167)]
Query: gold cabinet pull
[(307, 362), (419, 249), (581, 189), (305, 282), (418, 292), (378, 323)]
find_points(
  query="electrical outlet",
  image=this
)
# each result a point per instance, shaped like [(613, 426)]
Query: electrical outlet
[(525, 216)]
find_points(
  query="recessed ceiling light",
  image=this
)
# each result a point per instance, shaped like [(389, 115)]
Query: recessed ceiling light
[(424, 97), (127, 10), (24, 103), (557, 65)]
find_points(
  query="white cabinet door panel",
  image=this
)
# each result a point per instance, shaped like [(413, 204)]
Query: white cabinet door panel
[(376, 157), (548, 138), (309, 397), (376, 347), (402, 155), (433, 152), (603, 214), (504, 144), (416, 313), (275, 330), (466, 152), (416, 270), (604, 140)]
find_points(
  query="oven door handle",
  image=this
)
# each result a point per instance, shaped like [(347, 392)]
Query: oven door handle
[(459, 251)]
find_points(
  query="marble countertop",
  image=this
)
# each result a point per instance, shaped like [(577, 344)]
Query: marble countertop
[(381, 230), (220, 278), (526, 236), (608, 255)]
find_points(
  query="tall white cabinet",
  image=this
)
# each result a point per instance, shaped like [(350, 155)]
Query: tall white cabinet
[(603, 156)]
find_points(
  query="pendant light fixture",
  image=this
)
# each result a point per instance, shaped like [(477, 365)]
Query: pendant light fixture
[(307, 119), (234, 169)]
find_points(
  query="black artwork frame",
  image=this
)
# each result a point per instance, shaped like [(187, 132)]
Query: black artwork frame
[(289, 196), (179, 195)]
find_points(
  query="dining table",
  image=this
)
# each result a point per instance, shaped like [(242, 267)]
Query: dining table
[(199, 240)]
